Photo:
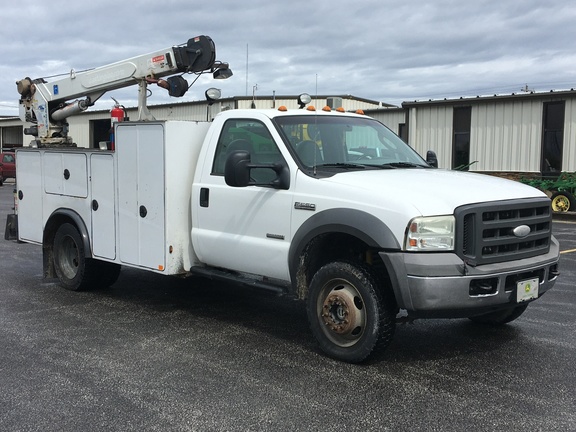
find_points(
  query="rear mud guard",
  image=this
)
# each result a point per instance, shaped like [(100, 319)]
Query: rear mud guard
[(11, 232)]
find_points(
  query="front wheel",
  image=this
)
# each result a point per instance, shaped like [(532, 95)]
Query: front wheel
[(563, 201), (349, 315)]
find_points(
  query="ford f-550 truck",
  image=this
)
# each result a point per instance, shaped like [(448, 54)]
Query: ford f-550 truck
[(326, 206)]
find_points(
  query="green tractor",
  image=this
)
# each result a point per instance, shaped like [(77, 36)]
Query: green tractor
[(561, 190)]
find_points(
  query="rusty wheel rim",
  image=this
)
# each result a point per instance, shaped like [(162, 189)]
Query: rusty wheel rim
[(342, 313)]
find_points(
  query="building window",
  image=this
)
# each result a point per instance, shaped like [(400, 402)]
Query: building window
[(100, 130), (403, 132), (552, 138), (461, 139)]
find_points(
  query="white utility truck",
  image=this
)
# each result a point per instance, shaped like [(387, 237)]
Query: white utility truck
[(326, 206)]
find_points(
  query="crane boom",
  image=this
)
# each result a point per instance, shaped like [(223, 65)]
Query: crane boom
[(47, 104)]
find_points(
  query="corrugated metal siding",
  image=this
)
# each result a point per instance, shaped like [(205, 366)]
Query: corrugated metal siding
[(79, 130), (390, 117), (11, 136), (431, 129), (506, 136), (569, 154)]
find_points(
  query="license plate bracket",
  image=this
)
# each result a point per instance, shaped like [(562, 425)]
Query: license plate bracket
[(527, 290)]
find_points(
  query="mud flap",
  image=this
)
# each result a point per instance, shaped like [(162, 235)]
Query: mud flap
[(11, 232)]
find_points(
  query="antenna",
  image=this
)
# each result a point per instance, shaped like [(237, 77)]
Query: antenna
[(316, 102), (246, 70)]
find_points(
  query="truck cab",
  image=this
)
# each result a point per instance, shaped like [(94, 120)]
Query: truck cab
[(327, 191)]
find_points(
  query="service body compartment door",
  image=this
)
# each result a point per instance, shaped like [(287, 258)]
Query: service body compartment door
[(66, 174), (140, 152), (103, 206), (30, 195)]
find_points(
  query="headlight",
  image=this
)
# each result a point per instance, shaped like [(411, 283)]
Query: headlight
[(428, 234)]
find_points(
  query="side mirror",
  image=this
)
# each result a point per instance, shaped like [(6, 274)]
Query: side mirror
[(238, 168), (431, 159)]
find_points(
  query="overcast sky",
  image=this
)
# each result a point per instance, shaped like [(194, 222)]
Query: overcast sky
[(389, 51)]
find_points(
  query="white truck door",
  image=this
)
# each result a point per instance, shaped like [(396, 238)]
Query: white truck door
[(140, 149), (244, 229)]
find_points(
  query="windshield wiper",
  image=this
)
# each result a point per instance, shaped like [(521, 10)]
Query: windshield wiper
[(403, 165), (340, 165)]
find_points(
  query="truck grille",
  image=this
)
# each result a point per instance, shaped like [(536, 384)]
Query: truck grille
[(493, 232)]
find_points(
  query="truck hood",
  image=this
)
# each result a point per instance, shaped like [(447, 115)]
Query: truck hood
[(430, 191)]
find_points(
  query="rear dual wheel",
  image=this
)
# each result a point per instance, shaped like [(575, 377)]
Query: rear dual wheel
[(350, 316), (73, 268)]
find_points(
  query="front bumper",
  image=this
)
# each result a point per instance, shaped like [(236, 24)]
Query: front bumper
[(443, 286)]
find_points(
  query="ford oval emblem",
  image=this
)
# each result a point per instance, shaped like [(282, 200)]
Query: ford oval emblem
[(521, 231)]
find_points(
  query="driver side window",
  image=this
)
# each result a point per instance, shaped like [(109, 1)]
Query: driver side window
[(252, 136)]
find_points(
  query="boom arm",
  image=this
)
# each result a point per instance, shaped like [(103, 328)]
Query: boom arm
[(45, 104)]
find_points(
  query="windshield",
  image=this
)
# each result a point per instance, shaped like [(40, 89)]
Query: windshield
[(344, 143)]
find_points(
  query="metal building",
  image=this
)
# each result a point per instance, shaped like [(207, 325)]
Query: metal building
[(91, 127), (515, 134), (520, 133)]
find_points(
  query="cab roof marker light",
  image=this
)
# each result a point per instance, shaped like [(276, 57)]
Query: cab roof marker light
[(340, 109), (282, 108), (359, 111), (311, 108), (327, 109)]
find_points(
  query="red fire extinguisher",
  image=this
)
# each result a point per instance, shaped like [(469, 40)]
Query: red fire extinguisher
[(116, 115)]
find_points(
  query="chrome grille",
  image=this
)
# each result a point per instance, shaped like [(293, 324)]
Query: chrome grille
[(485, 232)]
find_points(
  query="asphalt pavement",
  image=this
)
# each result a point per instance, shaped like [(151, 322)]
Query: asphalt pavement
[(156, 353)]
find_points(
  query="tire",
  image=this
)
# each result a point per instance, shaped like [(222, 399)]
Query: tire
[(75, 272), (500, 317), (563, 202), (350, 316)]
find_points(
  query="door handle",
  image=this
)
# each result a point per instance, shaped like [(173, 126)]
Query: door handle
[(204, 197)]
